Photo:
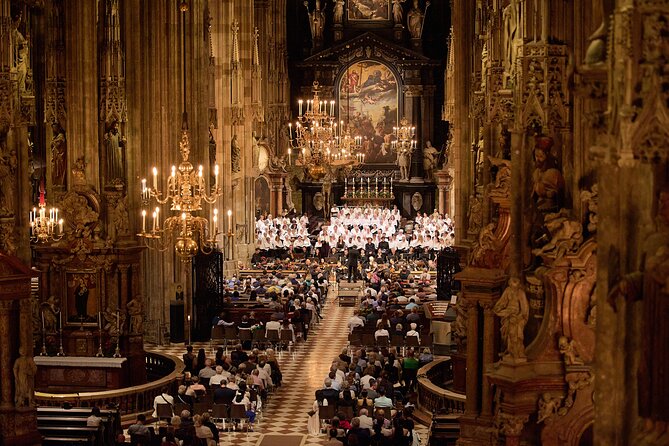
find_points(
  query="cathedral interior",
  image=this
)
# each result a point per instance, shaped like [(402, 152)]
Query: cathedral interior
[(142, 140)]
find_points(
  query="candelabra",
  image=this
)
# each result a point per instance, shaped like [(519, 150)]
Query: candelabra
[(186, 193), (366, 190), (319, 140), (404, 135), (45, 228)]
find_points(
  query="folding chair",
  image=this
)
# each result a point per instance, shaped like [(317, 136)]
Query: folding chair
[(238, 413), (217, 335), (411, 341), (180, 407), (259, 338), (286, 337), (201, 407), (382, 341), (245, 335), (272, 336), (220, 412), (326, 413), (355, 338), (164, 411), (230, 335), (367, 339)]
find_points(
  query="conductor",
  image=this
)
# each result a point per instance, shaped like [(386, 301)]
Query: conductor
[(353, 258)]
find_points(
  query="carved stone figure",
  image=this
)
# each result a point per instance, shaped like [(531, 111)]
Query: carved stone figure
[(474, 214), (416, 201), (50, 313), (415, 20), (513, 310), (501, 187), (316, 21), (548, 408), (651, 283), (548, 180), (289, 196), (25, 370), (256, 150), (114, 321), (338, 12), (115, 148), (589, 200), (480, 159), (487, 245), (596, 52), (511, 19), (404, 162), (8, 166), (120, 224), (58, 155), (398, 12), (212, 153), (327, 192), (459, 326), (79, 172), (566, 234), (430, 160), (135, 312), (20, 46), (235, 155), (568, 351)]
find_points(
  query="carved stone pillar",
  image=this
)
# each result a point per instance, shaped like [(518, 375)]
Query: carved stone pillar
[(444, 180), (276, 193), (6, 307), (480, 287)]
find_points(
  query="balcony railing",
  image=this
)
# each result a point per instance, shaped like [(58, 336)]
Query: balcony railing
[(165, 370), (433, 396)]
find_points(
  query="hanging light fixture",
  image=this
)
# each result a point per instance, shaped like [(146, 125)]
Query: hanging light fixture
[(319, 140), (186, 194), (45, 228)]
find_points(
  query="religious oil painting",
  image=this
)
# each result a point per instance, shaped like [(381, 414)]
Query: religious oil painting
[(368, 10), (82, 303), (368, 104)]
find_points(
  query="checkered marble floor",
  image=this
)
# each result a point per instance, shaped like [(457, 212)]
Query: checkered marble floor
[(304, 369)]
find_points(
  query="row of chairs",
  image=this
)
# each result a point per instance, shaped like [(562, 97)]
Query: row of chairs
[(365, 338), (258, 338)]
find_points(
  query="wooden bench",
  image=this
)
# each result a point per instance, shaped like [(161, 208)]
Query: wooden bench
[(68, 426), (347, 298)]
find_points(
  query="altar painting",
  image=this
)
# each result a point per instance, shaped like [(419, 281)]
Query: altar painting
[(368, 10), (368, 103), (82, 298)]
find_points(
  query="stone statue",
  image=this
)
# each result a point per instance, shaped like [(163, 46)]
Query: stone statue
[(289, 196), (316, 21), (114, 149), (651, 283), (136, 318), (119, 220), (8, 167), (114, 321), (25, 370), (568, 351), (327, 193), (398, 12), (256, 149), (415, 20), (501, 187), (50, 312), (513, 310), (566, 234), (459, 326), (20, 57), (474, 214), (430, 160), (212, 153), (548, 408), (404, 162), (338, 12), (596, 52), (589, 199), (548, 180), (58, 155), (235, 155), (510, 18), (79, 171), (487, 243)]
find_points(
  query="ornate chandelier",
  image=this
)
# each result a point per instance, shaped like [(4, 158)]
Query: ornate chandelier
[(320, 141), (45, 228), (186, 194)]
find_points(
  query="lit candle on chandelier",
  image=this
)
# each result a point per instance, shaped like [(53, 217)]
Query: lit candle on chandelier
[(157, 218), (230, 220), (60, 226), (300, 105), (143, 220), (154, 221), (332, 103), (215, 220), (144, 191), (216, 176), (155, 179), (290, 129)]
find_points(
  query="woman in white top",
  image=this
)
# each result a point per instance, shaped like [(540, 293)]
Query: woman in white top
[(413, 332), (381, 331)]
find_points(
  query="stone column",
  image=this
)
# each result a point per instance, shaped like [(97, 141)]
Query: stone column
[(488, 357), (6, 373), (444, 181), (471, 406)]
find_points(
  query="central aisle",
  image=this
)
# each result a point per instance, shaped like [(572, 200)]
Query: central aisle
[(304, 371)]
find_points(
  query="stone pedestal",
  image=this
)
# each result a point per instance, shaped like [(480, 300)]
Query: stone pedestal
[(398, 32), (481, 288)]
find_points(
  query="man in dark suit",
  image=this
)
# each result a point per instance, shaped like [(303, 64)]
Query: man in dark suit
[(327, 393), (224, 394), (370, 249), (353, 258)]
